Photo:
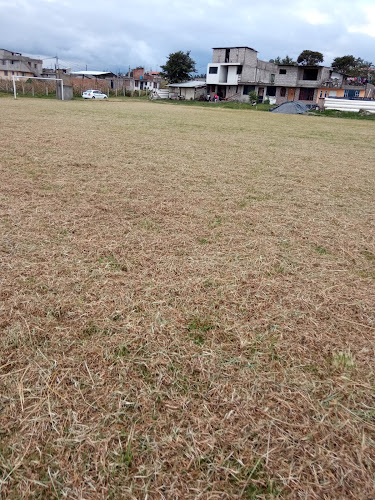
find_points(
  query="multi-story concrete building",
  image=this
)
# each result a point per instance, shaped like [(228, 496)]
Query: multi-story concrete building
[(15, 64), (236, 71)]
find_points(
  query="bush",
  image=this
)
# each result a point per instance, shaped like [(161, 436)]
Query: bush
[(253, 97)]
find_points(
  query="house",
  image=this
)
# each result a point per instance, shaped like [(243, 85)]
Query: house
[(146, 80), (15, 64), (51, 73), (106, 81), (236, 71), (191, 90)]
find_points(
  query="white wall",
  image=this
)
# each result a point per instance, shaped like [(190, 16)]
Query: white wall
[(226, 73), (349, 105)]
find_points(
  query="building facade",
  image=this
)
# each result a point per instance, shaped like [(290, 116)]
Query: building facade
[(146, 80), (15, 64), (236, 71)]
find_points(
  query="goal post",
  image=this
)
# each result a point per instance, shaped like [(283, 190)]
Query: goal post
[(17, 78)]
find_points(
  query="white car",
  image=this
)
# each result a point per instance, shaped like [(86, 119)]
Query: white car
[(94, 94)]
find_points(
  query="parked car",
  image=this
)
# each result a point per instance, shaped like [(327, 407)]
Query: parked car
[(94, 94)]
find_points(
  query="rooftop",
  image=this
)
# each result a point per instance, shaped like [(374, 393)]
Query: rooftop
[(92, 73), (191, 83), (241, 47)]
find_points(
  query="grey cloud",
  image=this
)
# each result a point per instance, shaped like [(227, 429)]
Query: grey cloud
[(113, 35)]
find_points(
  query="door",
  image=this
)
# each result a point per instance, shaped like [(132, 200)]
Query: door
[(291, 94)]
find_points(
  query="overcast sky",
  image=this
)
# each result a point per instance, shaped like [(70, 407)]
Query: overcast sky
[(114, 34)]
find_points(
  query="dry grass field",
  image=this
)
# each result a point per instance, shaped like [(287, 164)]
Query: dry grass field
[(187, 305)]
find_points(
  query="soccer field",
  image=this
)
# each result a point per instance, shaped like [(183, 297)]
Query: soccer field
[(187, 304)]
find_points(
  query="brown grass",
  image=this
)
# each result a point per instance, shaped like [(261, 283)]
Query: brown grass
[(187, 303)]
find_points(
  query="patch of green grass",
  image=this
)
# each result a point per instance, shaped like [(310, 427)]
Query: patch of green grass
[(221, 104), (121, 351), (198, 327), (351, 115), (320, 250)]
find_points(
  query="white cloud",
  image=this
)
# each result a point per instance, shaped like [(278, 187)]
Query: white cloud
[(314, 16), (367, 28)]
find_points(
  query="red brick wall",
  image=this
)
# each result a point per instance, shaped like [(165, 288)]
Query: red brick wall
[(137, 72)]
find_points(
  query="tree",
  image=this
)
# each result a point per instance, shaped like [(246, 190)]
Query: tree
[(253, 97), (288, 60), (178, 67), (284, 60), (352, 66), (310, 58)]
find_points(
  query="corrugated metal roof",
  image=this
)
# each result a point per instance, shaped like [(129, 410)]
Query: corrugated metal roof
[(191, 83), (93, 73)]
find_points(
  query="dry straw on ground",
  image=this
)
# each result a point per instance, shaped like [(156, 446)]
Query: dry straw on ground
[(187, 303)]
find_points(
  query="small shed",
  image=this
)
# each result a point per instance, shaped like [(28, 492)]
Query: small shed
[(191, 90)]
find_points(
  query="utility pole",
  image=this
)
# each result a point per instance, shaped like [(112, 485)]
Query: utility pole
[(57, 64)]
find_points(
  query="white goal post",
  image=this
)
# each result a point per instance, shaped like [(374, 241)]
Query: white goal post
[(16, 78)]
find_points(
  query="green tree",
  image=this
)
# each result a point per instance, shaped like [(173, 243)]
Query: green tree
[(253, 97), (288, 60), (178, 67), (352, 66), (284, 60), (310, 58)]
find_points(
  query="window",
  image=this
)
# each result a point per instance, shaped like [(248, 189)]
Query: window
[(213, 70), (272, 78), (4, 61), (227, 52), (29, 63), (12, 62), (5, 73), (282, 71), (306, 94), (282, 91), (310, 74), (239, 70), (12, 72), (247, 89), (34, 65), (23, 74), (271, 91), (155, 85), (351, 93)]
